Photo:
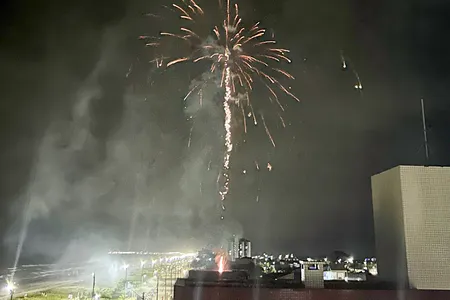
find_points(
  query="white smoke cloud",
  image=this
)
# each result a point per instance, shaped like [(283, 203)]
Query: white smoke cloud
[(145, 183)]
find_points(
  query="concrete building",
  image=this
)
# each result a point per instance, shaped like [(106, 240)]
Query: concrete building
[(232, 248), (312, 274), (411, 206), (187, 290), (207, 285), (335, 275), (245, 248)]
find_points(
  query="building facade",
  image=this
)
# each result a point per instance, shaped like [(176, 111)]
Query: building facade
[(335, 275), (411, 206), (232, 248), (227, 291), (312, 274), (245, 248)]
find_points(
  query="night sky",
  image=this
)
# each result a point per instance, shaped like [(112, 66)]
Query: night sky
[(91, 156)]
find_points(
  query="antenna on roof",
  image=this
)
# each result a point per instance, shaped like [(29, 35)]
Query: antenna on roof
[(425, 138)]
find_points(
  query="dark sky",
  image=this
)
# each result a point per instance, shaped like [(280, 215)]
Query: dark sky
[(88, 155)]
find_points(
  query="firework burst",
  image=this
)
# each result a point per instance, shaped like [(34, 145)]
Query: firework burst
[(241, 55)]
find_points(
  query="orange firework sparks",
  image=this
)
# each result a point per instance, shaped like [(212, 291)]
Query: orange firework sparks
[(241, 54), (221, 265), (267, 130), (221, 261), (242, 49), (176, 61)]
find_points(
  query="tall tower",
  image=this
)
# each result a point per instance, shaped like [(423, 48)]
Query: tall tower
[(232, 248), (245, 248), (411, 206)]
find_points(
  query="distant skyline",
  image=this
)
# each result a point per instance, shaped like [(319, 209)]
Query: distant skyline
[(103, 159)]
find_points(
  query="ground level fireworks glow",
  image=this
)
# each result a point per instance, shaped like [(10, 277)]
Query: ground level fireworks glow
[(241, 55), (221, 265), (221, 261)]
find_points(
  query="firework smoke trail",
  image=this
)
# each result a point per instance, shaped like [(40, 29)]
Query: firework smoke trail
[(228, 136)]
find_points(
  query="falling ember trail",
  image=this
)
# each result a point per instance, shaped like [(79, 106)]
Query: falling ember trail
[(267, 131), (347, 63), (190, 136)]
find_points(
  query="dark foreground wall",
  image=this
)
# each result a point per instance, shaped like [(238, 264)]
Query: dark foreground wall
[(243, 293)]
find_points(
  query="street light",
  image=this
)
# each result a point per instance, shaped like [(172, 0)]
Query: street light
[(93, 285), (157, 283), (125, 267), (172, 267), (143, 262), (10, 288)]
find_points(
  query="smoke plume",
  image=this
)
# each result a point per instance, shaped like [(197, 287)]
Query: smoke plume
[(138, 187)]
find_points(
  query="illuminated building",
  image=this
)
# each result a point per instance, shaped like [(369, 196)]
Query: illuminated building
[(411, 206), (245, 248), (335, 275), (232, 248), (206, 285), (312, 274)]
